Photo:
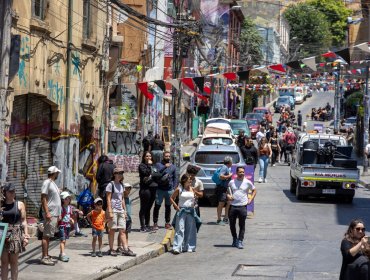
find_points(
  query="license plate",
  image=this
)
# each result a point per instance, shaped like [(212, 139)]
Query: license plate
[(328, 191)]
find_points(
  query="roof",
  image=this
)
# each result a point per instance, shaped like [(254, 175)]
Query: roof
[(238, 121), (217, 135), (218, 119)]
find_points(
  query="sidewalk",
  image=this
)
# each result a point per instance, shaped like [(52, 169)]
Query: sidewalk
[(82, 265)]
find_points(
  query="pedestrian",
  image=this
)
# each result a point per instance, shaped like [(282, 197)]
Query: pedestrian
[(147, 192), (350, 137), (260, 134), (264, 154), (367, 152), (167, 183), (148, 141), (355, 264), (157, 149), (51, 211), (116, 213), (196, 184), (299, 119), (221, 190), (186, 218), (14, 214), (64, 224), (97, 220), (104, 175), (275, 148), (249, 152), (238, 191), (289, 139), (240, 140)]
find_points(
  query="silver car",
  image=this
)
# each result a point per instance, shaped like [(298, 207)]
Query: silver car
[(209, 158)]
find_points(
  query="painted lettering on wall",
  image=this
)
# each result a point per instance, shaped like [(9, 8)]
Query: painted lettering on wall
[(126, 162), (24, 55), (56, 92), (125, 143)]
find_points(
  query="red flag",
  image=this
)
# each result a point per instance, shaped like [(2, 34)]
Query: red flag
[(329, 55), (230, 76), (207, 90), (322, 64), (189, 83), (143, 87), (277, 67)]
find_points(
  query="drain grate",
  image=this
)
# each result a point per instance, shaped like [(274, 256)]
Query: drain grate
[(263, 270)]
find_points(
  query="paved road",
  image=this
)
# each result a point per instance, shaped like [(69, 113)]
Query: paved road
[(286, 239)]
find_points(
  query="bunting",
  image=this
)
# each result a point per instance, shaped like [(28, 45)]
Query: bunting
[(277, 67), (161, 85), (174, 82), (230, 76), (199, 81), (364, 47), (310, 62), (143, 87), (345, 55), (188, 82), (243, 75), (295, 65), (329, 55)]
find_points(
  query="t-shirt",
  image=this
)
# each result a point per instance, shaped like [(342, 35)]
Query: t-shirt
[(347, 259), (51, 190), (197, 186), (259, 135), (239, 190), (117, 196), (98, 219), (225, 171)]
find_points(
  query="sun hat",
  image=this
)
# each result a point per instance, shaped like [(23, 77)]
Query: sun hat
[(64, 195), (97, 200), (53, 169)]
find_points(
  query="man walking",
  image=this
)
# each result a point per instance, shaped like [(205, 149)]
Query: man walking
[(249, 152), (104, 176), (299, 119), (148, 141), (221, 190), (238, 197), (51, 211), (167, 183)]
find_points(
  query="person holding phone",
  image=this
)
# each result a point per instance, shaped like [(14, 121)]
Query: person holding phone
[(355, 264)]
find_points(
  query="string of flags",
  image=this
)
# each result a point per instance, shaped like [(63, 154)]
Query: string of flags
[(202, 91)]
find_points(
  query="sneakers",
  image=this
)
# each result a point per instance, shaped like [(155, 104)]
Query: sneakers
[(226, 220), (80, 234), (155, 227), (240, 244), (168, 226), (128, 252), (112, 253), (100, 254), (63, 258), (175, 252), (274, 164), (265, 180), (143, 229), (235, 243), (119, 250), (260, 180), (47, 261), (220, 222), (93, 254)]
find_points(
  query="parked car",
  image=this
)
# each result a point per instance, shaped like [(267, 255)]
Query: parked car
[(219, 128), (309, 92), (262, 110), (216, 139), (209, 158), (236, 125), (256, 116), (350, 122), (284, 101), (254, 127)]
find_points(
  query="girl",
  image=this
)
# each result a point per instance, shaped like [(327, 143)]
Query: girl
[(97, 220), (14, 214), (65, 224), (186, 217), (264, 154), (275, 147)]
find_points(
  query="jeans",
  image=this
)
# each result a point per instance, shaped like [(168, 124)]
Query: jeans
[(275, 154), (160, 195), (237, 212), (147, 197), (264, 163), (185, 232)]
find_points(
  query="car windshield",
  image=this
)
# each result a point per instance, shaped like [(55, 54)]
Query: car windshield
[(252, 122), (323, 141), (217, 140), (254, 116), (283, 99), (261, 111), (240, 125), (212, 157)]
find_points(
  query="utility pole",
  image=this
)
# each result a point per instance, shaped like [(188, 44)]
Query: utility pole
[(241, 111), (337, 100), (366, 119), (5, 39)]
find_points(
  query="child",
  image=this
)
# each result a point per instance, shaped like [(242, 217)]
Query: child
[(126, 195), (65, 224), (97, 220)]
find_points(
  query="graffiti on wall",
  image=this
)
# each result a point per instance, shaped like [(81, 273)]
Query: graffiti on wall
[(56, 92), (23, 55), (129, 163), (125, 143)]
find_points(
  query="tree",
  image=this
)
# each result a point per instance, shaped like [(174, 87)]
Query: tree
[(250, 43), (336, 13), (311, 28)]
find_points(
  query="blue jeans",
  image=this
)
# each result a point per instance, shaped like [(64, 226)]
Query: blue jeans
[(264, 163), (185, 232), (160, 195)]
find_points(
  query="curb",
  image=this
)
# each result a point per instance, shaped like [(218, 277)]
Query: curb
[(158, 249)]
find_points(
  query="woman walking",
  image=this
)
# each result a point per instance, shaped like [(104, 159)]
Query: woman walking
[(186, 217), (264, 154), (147, 191), (14, 214), (275, 147)]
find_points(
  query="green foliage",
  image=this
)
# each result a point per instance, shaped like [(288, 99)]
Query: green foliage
[(336, 13), (311, 28), (250, 43)]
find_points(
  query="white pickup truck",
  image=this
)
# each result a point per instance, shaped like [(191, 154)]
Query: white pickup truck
[(323, 166)]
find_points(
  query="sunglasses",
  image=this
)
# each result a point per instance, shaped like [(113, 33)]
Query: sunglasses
[(360, 229)]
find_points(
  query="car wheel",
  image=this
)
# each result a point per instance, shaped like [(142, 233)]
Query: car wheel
[(293, 184), (297, 194)]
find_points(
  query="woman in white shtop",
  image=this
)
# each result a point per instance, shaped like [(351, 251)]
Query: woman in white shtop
[(186, 220)]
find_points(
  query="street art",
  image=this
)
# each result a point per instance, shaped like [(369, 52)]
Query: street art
[(76, 62), (129, 163), (56, 92), (24, 54), (125, 143)]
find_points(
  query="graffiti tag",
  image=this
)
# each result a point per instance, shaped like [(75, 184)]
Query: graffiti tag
[(56, 92), (127, 143)]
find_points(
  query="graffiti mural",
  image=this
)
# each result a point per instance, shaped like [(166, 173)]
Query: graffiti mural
[(129, 163), (24, 54), (124, 143), (56, 92)]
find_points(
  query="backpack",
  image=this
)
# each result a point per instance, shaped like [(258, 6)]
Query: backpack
[(85, 199), (290, 139), (216, 177)]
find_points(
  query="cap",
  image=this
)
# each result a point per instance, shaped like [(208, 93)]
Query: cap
[(64, 195), (118, 170), (9, 187), (127, 185), (53, 169), (97, 200)]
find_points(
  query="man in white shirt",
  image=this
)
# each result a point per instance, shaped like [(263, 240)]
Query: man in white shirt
[(238, 196), (261, 133)]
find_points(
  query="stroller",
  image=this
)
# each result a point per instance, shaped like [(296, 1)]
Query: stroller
[(86, 200)]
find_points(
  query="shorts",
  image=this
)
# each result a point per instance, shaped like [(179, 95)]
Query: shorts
[(50, 227), (221, 194), (98, 233), (118, 221), (128, 226), (64, 232)]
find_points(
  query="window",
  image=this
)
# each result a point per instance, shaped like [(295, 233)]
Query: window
[(87, 19), (38, 9), (215, 157)]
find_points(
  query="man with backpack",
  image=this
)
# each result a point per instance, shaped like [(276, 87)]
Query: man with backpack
[(148, 141), (221, 178), (167, 181), (290, 139), (104, 175)]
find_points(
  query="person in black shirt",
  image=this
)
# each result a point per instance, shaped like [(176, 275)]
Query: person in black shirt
[(157, 149), (240, 141), (104, 175), (299, 118), (148, 142), (355, 264), (249, 152)]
